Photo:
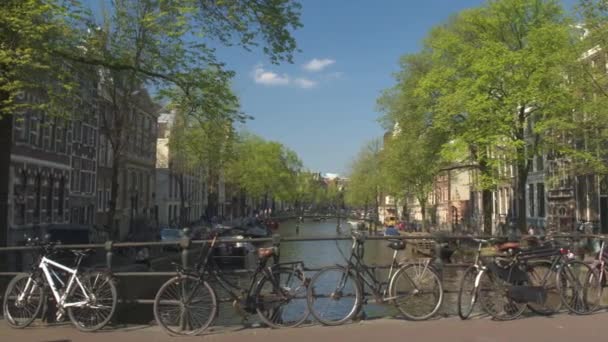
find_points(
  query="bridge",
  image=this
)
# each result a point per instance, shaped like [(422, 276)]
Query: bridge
[(136, 292), (559, 328), (321, 216)]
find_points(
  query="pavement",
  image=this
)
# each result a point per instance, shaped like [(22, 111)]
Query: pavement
[(562, 327)]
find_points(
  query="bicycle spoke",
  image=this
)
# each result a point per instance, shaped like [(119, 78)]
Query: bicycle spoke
[(185, 306)]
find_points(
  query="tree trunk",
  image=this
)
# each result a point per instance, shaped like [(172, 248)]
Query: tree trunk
[(486, 203), (522, 176), (113, 229), (182, 201), (6, 130), (423, 213)]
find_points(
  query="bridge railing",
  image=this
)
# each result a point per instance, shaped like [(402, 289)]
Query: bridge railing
[(150, 281)]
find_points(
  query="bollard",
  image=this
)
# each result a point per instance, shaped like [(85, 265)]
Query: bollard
[(109, 245), (185, 244)]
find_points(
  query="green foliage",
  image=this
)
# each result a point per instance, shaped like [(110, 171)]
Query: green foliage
[(498, 67), (28, 30), (412, 154), (366, 181), (264, 168)]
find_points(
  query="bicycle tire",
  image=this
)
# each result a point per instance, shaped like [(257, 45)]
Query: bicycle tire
[(430, 286), (10, 315), (174, 290), (492, 287), (536, 272), (281, 316), (96, 315), (314, 291), (575, 296), (469, 276)]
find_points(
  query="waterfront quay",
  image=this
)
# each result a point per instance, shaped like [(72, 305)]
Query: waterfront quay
[(562, 327)]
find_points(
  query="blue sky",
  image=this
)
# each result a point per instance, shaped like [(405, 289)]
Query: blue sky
[(328, 114)]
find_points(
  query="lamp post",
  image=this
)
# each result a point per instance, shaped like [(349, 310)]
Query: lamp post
[(338, 206)]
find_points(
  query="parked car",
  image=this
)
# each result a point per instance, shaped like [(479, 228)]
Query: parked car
[(170, 235)]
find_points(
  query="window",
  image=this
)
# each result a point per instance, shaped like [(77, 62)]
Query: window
[(49, 199), (38, 196), (53, 135), (61, 198), (106, 200), (77, 131), (99, 200), (33, 129), (540, 191), (539, 163), (531, 199)]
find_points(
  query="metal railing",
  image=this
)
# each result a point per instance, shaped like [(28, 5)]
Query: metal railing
[(186, 246)]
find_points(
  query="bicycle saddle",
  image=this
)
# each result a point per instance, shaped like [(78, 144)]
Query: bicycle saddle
[(397, 245), (507, 245), (266, 252), (83, 252)]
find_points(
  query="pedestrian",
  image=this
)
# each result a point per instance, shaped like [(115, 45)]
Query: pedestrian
[(531, 230)]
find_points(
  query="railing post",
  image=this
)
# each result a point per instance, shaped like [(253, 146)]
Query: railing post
[(276, 242), (185, 243), (109, 245), (438, 261)]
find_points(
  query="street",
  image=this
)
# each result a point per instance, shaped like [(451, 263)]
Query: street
[(561, 327)]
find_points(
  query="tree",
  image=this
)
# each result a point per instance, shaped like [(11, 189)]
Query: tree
[(411, 158), (165, 43), (28, 30), (366, 184), (264, 169), (499, 73)]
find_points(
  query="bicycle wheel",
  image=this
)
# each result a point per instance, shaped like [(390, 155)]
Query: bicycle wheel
[(416, 291), (281, 300), (19, 313), (99, 298), (185, 305), (580, 287), (493, 296), (540, 273), (467, 295), (334, 295)]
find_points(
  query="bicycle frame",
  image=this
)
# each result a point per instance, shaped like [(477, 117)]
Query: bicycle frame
[(236, 292), (601, 262), (47, 265), (366, 275)]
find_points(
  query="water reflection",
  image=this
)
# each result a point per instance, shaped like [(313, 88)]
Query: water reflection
[(317, 254)]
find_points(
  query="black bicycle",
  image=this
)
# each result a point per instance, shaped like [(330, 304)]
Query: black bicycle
[(336, 293), (536, 278), (187, 304)]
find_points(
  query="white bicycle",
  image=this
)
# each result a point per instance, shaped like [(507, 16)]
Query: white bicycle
[(89, 298)]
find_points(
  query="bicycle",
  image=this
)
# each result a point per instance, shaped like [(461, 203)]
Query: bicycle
[(509, 284), (89, 298), (601, 266), (187, 304), (336, 293), (470, 281)]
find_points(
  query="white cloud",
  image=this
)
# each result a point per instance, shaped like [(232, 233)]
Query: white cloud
[(315, 64), (266, 77), (305, 83)]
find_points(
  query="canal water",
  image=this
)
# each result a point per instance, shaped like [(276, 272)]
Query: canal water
[(317, 254), (314, 254)]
